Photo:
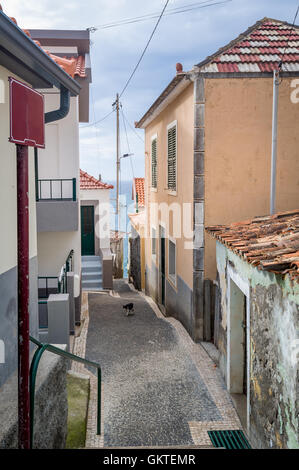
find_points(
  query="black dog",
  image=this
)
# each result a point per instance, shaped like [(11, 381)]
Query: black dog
[(129, 308)]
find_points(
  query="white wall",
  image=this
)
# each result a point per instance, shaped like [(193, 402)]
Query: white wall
[(102, 213), (60, 159), (8, 187)]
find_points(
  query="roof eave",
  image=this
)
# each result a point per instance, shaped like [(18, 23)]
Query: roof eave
[(27, 60), (173, 89)]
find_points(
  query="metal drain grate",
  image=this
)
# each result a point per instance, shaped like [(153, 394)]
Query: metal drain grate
[(232, 439)]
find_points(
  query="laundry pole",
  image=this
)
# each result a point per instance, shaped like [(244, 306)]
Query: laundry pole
[(23, 296)]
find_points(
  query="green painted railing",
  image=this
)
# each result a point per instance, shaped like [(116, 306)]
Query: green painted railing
[(56, 189), (69, 261), (61, 278), (41, 348)]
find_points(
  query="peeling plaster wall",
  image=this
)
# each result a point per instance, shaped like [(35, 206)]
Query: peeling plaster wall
[(274, 348)]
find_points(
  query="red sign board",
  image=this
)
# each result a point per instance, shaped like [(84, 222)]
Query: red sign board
[(27, 122)]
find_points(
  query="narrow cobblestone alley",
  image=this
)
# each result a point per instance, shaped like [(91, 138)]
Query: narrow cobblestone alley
[(159, 388)]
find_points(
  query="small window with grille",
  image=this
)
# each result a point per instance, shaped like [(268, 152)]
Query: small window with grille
[(172, 157), (154, 162)]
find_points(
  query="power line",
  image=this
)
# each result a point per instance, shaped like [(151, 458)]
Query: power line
[(129, 150), (150, 16), (141, 18), (144, 50), (132, 128), (98, 121)]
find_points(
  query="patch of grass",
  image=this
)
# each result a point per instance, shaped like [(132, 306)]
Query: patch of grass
[(78, 397)]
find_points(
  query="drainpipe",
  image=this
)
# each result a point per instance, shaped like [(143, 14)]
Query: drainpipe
[(64, 108), (23, 274), (274, 141), (23, 297)]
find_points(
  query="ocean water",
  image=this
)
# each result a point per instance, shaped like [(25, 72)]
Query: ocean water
[(126, 206)]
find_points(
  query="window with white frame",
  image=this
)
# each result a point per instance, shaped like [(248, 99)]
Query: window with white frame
[(154, 162), (172, 156), (172, 260), (154, 246)]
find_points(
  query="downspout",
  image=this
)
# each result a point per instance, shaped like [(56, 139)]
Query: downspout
[(52, 116), (274, 141), (64, 108)]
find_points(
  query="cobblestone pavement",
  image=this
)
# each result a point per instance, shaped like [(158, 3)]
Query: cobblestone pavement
[(159, 388)]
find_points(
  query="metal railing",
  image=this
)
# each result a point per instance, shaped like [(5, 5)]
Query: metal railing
[(69, 262), (41, 348), (45, 325), (46, 287), (56, 189), (61, 279)]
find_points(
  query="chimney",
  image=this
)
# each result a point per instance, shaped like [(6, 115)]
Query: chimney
[(179, 68), (100, 177)]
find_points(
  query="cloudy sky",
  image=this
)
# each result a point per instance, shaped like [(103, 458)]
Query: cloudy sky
[(187, 38)]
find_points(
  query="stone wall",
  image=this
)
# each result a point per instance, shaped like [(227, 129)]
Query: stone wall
[(51, 408), (274, 369), (274, 347)]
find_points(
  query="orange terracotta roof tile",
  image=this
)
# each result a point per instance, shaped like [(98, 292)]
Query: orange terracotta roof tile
[(80, 66), (259, 49), (138, 190), (90, 182), (270, 243), (74, 66)]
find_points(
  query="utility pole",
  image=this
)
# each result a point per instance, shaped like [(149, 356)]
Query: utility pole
[(274, 141), (117, 161)]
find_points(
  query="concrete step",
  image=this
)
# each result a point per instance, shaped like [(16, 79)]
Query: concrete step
[(90, 258), (92, 275), (91, 284), (88, 266), (93, 289)]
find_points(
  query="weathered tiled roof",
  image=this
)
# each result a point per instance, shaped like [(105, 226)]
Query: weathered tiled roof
[(270, 243), (139, 190), (259, 49), (90, 182), (74, 66)]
